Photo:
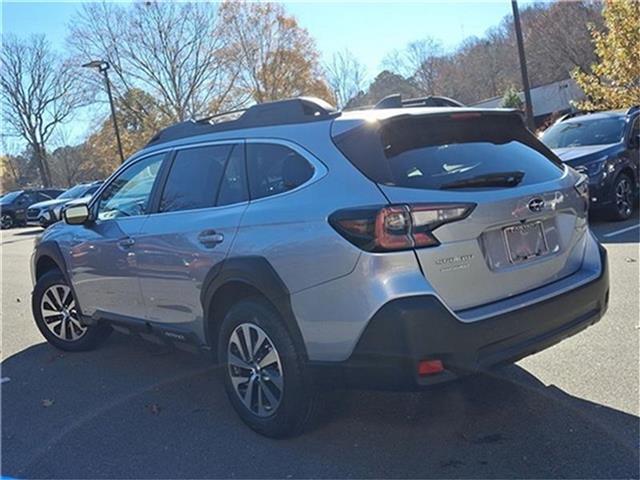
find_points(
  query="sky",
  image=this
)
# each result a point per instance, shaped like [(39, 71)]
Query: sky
[(370, 30)]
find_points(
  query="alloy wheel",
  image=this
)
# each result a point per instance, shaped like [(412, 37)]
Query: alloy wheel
[(7, 221), (624, 197), (255, 369), (58, 309)]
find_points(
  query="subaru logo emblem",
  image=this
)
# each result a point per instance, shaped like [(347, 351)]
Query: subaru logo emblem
[(536, 204)]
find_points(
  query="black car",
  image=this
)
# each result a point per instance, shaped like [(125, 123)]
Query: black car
[(13, 205), (48, 212), (604, 146)]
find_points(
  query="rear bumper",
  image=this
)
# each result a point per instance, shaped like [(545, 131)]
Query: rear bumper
[(407, 330)]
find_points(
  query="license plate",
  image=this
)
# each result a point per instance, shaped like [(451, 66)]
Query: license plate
[(525, 242)]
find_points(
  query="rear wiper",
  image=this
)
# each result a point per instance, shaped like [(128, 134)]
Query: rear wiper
[(501, 179)]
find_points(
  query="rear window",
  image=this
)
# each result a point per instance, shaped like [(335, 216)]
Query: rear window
[(435, 152)]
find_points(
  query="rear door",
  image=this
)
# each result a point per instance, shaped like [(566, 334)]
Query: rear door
[(528, 224), (198, 212)]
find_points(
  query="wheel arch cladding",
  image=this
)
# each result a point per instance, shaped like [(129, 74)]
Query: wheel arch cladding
[(627, 170), (49, 257), (241, 278)]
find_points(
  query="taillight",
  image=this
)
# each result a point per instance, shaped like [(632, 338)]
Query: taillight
[(582, 187), (396, 227)]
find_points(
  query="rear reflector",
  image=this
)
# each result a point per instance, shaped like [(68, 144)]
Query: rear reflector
[(430, 367)]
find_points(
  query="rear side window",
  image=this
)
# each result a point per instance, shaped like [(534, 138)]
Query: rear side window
[(194, 178), (436, 152), (275, 169)]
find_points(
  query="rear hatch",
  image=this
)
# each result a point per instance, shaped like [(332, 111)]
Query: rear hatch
[(528, 223)]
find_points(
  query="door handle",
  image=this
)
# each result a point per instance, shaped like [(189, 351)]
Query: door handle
[(126, 242), (210, 238)]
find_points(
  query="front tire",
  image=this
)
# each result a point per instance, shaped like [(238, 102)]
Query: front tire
[(264, 376), (7, 221), (623, 198), (55, 312)]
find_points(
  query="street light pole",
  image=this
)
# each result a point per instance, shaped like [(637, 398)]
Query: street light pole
[(102, 67), (523, 66)]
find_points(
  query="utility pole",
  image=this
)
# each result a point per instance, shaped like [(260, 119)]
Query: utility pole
[(523, 66), (102, 67)]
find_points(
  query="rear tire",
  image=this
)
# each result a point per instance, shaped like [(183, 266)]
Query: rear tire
[(54, 309), (265, 378), (623, 198)]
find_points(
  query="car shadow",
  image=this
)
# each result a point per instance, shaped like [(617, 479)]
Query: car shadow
[(136, 410), (21, 236), (29, 233), (616, 232)]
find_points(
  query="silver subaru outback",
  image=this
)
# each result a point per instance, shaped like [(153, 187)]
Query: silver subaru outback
[(395, 247)]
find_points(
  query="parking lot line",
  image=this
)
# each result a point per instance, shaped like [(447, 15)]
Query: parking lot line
[(623, 230)]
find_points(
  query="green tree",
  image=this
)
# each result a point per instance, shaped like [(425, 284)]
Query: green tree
[(136, 129), (511, 99), (615, 80)]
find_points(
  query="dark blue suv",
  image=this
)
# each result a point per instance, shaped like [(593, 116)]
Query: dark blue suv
[(604, 146)]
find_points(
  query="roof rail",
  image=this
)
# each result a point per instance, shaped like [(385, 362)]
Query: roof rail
[(282, 112), (395, 101)]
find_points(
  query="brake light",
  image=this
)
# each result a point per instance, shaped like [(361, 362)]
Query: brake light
[(464, 116), (430, 367), (396, 227), (582, 187)]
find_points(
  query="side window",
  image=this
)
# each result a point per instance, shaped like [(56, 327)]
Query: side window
[(91, 190), (275, 169), (194, 178), (128, 194), (233, 188), (25, 199)]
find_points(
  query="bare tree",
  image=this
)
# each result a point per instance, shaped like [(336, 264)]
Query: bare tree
[(39, 92), (419, 61), (278, 58), (346, 76), (175, 52), (558, 38)]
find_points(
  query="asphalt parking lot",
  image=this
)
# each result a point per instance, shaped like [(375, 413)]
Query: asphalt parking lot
[(133, 409)]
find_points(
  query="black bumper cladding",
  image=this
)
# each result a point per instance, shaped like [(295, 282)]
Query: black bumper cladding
[(408, 330)]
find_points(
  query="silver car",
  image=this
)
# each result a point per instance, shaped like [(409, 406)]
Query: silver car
[(395, 247)]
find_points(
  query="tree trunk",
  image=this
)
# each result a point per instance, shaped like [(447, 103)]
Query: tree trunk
[(41, 159)]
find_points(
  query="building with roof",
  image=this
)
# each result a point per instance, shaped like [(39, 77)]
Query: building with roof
[(553, 98)]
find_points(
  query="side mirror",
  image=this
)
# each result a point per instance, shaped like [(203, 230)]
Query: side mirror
[(76, 214)]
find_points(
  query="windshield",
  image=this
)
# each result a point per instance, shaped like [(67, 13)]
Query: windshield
[(588, 132), (10, 197), (74, 192)]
